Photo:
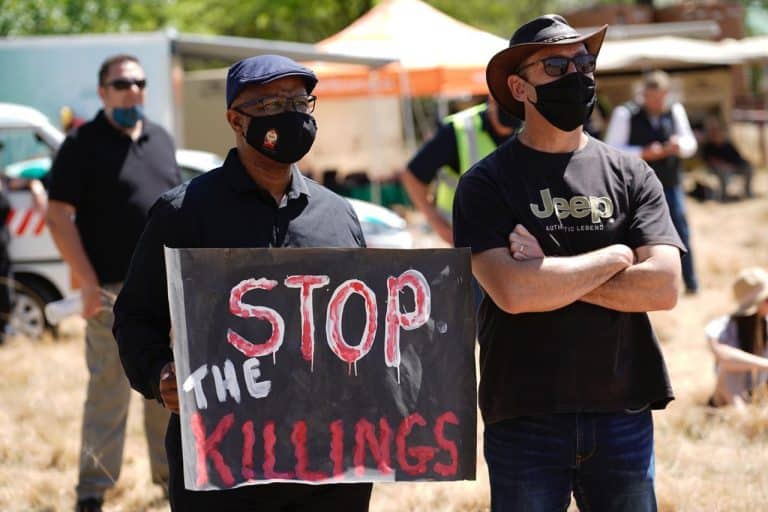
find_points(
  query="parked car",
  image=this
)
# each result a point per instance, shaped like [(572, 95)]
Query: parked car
[(28, 142), (383, 228)]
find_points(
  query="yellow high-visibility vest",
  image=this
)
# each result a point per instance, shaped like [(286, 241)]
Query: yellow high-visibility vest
[(473, 144)]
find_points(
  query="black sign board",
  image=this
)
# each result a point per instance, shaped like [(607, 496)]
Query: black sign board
[(323, 365)]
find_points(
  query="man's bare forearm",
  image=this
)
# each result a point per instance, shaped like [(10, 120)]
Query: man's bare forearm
[(546, 284), (636, 289), (418, 193), (650, 285)]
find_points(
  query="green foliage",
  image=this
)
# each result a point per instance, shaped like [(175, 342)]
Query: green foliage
[(311, 21), (291, 20), (28, 17), (500, 17)]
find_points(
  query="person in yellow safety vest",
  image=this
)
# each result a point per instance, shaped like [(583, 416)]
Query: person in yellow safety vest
[(462, 139)]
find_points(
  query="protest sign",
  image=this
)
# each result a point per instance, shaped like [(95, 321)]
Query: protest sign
[(323, 365)]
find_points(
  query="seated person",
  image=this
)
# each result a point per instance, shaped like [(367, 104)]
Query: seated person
[(724, 159), (739, 342)]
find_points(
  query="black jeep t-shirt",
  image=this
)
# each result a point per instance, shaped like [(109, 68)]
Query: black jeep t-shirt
[(581, 357)]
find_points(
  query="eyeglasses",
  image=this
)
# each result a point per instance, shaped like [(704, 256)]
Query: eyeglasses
[(277, 104), (123, 84), (557, 65)]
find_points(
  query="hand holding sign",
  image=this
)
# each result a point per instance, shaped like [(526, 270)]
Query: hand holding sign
[(169, 394)]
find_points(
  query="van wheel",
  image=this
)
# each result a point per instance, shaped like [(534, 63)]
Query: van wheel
[(30, 297)]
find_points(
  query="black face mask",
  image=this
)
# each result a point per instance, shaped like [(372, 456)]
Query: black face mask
[(283, 137), (567, 102)]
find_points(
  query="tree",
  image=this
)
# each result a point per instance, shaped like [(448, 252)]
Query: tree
[(292, 20), (500, 17), (38, 17)]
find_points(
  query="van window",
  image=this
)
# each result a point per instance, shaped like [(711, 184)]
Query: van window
[(21, 144)]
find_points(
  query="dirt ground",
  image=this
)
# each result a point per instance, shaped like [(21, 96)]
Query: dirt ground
[(707, 460)]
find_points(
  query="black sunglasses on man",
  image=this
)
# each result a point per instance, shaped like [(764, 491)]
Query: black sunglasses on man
[(557, 65), (123, 84)]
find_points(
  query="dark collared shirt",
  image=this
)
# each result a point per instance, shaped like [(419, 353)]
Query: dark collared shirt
[(222, 208), (112, 181)]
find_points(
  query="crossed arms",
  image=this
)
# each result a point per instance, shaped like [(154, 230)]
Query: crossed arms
[(614, 277)]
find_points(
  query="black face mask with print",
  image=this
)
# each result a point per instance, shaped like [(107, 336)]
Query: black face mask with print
[(567, 102), (285, 137)]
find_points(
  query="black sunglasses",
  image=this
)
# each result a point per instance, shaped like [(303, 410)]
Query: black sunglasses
[(557, 65), (123, 84)]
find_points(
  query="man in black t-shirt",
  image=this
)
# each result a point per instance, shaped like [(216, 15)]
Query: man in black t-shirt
[(104, 179), (572, 241)]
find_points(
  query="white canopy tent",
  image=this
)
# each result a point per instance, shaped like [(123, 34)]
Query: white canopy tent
[(749, 48), (663, 52)]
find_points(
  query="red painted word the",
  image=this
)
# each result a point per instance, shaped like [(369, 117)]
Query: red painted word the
[(394, 319), (412, 460)]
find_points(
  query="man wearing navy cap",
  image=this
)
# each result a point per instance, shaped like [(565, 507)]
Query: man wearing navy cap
[(573, 243), (258, 198)]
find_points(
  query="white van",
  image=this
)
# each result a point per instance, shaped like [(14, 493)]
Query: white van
[(28, 142)]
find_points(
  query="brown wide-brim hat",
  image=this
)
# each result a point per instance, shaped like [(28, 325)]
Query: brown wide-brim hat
[(749, 290), (547, 30)]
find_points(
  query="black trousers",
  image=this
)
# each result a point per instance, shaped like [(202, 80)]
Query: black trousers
[(5, 281), (277, 497)]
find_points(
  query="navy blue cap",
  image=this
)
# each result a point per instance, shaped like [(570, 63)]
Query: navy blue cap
[(263, 69)]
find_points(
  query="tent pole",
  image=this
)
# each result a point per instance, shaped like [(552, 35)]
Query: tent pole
[(407, 109), (442, 108), (375, 172)]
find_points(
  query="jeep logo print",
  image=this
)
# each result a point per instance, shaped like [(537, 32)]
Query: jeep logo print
[(578, 207)]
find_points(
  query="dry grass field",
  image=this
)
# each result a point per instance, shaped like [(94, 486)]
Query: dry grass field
[(707, 460)]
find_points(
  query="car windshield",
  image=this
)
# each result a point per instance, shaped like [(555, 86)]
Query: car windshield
[(23, 154)]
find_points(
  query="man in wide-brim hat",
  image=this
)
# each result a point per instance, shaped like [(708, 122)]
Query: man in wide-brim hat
[(573, 243), (549, 34)]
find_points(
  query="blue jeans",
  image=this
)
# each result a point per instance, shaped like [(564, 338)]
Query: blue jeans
[(676, 203), (606, 460)]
